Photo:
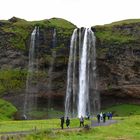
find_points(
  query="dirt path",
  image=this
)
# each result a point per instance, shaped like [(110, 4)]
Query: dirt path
[(94, 123)]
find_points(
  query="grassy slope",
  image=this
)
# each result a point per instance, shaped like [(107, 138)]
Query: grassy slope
[(18, 33), (124, 22), (124, 110), (62, 23), (7, 110), (119, 33), (21, 29)]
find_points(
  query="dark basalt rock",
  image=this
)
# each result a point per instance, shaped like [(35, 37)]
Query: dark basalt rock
[(13, 19)]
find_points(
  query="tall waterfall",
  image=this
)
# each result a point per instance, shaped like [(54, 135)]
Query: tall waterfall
[(82, 96), (83, 81), (51, 68), (31, 87), (54, 38), (69, 102)]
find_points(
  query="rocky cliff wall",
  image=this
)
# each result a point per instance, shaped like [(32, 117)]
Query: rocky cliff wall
[(51, 53), (118, 60)]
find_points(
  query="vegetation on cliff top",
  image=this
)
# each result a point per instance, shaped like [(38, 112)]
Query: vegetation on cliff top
[(18, 31), (53, 23), (61, 23), (117, 33), (124, 22)]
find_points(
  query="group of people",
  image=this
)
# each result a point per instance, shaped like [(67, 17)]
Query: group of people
[(102, 116), (68, 121), (63, 121)]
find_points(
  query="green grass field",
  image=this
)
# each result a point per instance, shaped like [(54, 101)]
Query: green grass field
[(124, 110), (127, 128), (28, 125)]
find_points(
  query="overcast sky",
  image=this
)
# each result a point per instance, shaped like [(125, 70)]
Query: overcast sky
[(80, 12)]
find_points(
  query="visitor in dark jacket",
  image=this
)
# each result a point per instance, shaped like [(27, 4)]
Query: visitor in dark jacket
[(62, 122), (67, 122), (104, 117), (98, 117)]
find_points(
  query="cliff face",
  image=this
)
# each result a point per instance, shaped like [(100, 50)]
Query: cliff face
[(51, 52), (118, 60)]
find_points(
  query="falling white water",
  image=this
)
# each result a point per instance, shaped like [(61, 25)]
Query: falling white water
[(31, 66), (82, 96), (83, 79), (54, 38), (32, 69), (70, 85)]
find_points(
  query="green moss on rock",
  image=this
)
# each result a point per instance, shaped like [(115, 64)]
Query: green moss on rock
[(12, 80)]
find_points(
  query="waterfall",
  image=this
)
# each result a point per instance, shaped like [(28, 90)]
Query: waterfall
[(54, 38), (82, 96), (70, 82), (31, 88), (51, 68), (83, 79)]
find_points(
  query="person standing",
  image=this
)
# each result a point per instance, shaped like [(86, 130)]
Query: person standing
[(62, 122), (104, 117), (67, 122), (82, 121), (108, 115), (98, 117), (111, 115), (101, 116)]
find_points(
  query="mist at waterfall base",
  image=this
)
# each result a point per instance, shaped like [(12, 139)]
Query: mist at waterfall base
[(82, 96)]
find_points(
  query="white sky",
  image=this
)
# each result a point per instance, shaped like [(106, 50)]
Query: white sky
[(80, 12)]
